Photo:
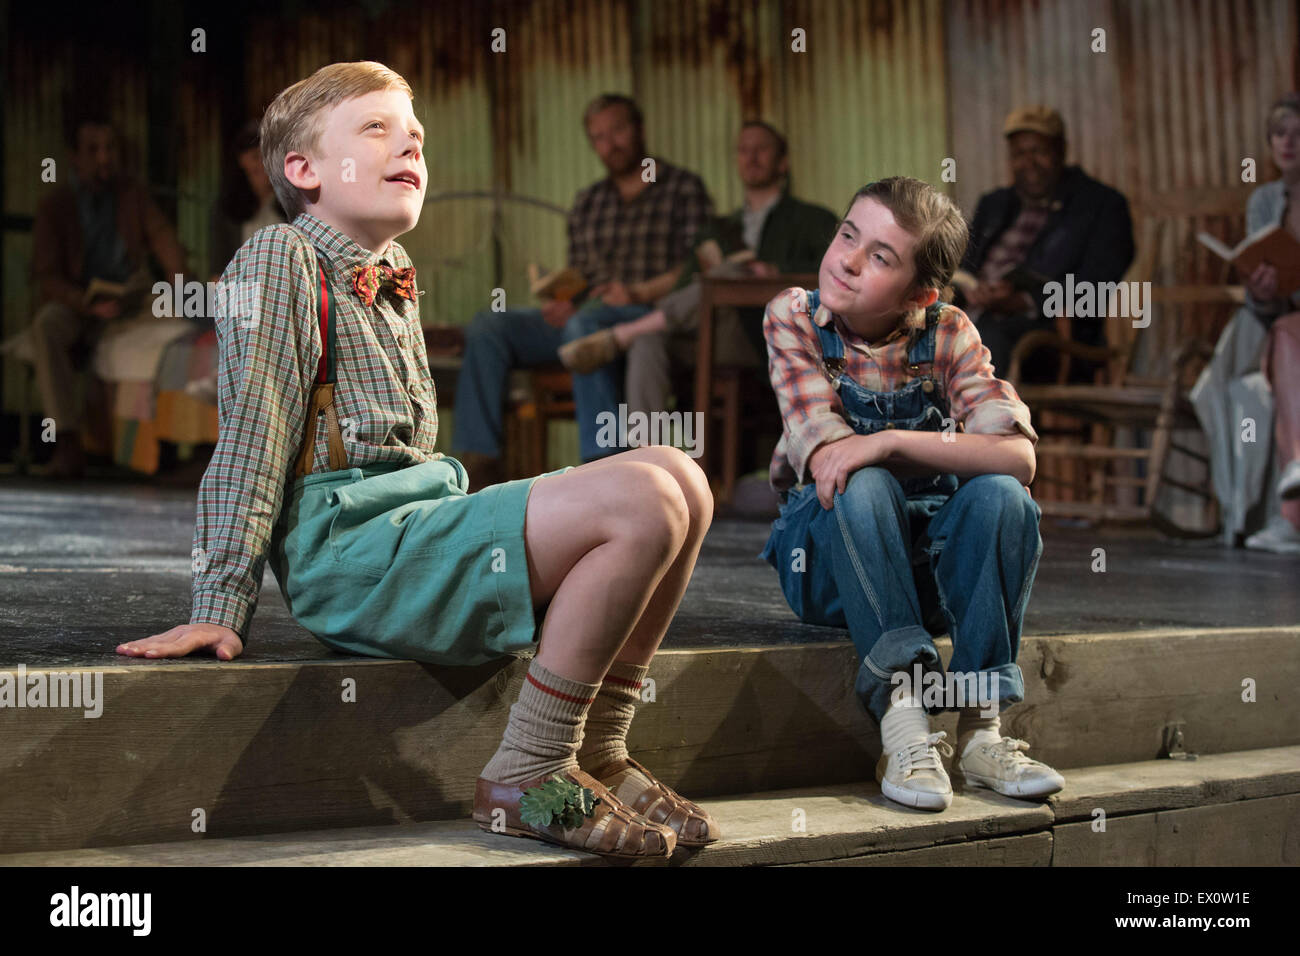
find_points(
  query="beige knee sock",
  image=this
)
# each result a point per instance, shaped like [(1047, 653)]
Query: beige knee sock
[(545, 728), (903, 722), (605, 737)]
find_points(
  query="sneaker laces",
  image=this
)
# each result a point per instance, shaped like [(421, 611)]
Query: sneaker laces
[(1009, 753), (921, 755)]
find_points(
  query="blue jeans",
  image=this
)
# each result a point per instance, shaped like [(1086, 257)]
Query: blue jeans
[(895, 570), (496, 342)]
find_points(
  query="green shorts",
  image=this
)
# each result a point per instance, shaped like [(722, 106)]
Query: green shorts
[(399, 562)]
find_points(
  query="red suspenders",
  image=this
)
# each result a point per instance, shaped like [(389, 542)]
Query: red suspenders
[(322, 393)]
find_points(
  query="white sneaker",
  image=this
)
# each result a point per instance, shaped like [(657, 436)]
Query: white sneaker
[(914, 776), (1277, 536), (1002, 766)]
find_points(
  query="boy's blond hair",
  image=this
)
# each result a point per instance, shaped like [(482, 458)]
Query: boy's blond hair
[(294, 121), (934, 219)]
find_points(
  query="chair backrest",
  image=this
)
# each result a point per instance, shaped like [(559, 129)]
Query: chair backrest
[(1184, 262), (1190, 299), (1218, 210), (1121, 333)]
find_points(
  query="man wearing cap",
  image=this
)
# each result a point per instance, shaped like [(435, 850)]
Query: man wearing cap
[(1053, 221)]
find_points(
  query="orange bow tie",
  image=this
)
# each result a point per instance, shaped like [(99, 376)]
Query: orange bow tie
[(368, 280)]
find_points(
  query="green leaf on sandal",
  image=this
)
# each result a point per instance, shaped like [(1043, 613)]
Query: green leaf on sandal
[(557, 801)]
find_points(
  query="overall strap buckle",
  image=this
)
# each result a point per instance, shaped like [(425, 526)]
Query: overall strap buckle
[(833, 360)]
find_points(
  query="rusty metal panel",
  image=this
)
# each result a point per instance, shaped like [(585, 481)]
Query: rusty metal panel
[(559, 56), (1166, 113), (1175, 102), (702, 69), (867, 99), (1011, 53), (447, 68), (199, 150), (885, 86)]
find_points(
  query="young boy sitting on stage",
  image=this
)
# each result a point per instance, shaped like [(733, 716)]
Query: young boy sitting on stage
[(326, 467), (891, 520)]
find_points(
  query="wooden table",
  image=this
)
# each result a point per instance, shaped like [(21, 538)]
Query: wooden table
[(748, 290)]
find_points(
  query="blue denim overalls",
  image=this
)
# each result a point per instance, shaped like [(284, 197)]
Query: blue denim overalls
[(917, 406), (897, 561)]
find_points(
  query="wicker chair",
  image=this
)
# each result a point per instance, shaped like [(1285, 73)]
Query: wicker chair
[(1105, 482)]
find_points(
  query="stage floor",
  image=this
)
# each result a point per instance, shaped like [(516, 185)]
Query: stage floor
[(84, 567)]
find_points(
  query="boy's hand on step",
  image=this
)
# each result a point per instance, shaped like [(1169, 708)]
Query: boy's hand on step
[(833, 464), (185, 639)]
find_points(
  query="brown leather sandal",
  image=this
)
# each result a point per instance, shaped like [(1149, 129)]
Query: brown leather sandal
[(613, 829), (661, 804)]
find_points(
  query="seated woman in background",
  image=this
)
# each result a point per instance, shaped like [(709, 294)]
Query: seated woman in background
[(1255, 372), (245, 202)]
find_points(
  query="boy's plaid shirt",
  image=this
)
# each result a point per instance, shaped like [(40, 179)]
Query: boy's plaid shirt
[(811, 408), (268, 349), (633, 241)]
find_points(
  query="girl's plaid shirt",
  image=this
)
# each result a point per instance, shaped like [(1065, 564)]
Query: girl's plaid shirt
[(811, 408), (268, 347)]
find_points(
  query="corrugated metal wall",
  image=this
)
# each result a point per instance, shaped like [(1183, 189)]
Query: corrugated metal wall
[(698, 67), (559, 55), (884, 86), (1166, 114), (868, 98)]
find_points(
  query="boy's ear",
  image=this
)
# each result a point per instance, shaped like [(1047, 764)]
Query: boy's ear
[(923, 298), (299, 170)]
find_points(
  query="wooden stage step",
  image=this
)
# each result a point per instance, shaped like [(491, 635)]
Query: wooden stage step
[(271, 747), (1231, 809)]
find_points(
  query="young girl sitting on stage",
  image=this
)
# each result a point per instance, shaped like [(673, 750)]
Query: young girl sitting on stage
[(892, 521), (326, 467)]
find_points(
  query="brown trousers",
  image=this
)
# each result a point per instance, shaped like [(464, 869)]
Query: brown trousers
[(55, 334)]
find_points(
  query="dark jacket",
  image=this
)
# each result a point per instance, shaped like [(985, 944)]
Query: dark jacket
[(794, 236), (58, 250), (1088, 233)]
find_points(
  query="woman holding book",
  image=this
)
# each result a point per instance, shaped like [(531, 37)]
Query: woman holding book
[(1251, 389)]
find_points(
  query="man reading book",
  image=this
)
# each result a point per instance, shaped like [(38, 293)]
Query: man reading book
[(629, 235), (89, 260)]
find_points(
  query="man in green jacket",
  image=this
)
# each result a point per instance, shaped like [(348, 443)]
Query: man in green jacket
[(770, 234)]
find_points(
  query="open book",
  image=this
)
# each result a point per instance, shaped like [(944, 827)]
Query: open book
[(562, 284), (1274, 245)]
